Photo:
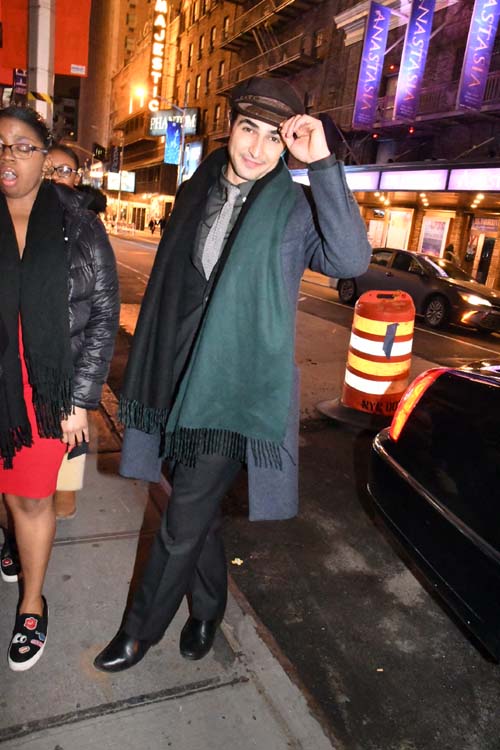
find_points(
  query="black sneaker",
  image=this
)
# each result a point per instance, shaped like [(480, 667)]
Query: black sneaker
[(9, 563), (28, 639)]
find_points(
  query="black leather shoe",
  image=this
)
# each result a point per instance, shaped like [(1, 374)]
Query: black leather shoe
[(121, 653), (197, 638)]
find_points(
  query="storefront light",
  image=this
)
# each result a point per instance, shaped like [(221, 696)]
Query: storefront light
[(479, 196), (422, 195)]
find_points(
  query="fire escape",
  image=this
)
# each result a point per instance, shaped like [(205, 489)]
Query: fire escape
[(257, 37)]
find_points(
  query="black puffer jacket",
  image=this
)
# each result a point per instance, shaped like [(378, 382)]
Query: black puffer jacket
[(94, 304)]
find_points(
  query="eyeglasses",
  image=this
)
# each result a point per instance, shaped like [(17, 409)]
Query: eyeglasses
[(63, 171), (21, 150)]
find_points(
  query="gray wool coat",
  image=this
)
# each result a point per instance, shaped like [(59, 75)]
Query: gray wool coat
[(325, 233)]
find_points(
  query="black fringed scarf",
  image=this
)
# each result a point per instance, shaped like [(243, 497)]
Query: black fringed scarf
[(237, 388), (34, 289)]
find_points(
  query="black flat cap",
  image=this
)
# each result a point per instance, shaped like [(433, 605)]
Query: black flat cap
[(271, 100)]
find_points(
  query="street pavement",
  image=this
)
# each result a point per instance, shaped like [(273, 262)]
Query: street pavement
[(362, 657)]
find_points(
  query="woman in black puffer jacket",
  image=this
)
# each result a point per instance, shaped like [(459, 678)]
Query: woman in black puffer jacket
[(94, 305), (59, 310)]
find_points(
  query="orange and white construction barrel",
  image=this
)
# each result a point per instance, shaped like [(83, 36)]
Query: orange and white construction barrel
[(379, 357)]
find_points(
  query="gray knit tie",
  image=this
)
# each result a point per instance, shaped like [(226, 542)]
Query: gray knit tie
[(215, 237)]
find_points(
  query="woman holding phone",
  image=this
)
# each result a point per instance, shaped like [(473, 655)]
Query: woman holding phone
[(59, 309)]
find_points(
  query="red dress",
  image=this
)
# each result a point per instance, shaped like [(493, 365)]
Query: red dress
[(35, 469)]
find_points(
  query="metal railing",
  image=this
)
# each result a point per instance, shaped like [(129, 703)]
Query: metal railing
[(276, 57), (254, 17), (434, 101)]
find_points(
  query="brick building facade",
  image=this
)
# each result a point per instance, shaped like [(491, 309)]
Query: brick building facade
[(316, 45)]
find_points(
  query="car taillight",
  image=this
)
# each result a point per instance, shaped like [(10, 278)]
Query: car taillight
[(411, 397)]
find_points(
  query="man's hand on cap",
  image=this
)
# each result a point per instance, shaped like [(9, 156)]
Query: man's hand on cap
[(304, 137)]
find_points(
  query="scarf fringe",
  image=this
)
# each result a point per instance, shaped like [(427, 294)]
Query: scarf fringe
[(12, 441), (185, 444), (133, 414), (52, 398)]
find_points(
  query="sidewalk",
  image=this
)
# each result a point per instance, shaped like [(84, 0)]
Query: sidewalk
[(239, 696)]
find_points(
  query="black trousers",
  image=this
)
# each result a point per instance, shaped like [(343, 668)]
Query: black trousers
[(187, 555)]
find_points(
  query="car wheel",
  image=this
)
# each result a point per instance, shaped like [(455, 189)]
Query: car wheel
[(347, 291), (436, 312)]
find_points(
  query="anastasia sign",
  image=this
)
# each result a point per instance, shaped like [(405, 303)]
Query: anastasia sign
[(477, 58), (372, 61), (413, 60)]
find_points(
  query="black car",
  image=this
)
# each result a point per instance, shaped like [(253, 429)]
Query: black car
[(441, 291), (434, 478)]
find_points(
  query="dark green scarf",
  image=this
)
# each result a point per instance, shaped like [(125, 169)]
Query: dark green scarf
[(35, 290), (237, 386)]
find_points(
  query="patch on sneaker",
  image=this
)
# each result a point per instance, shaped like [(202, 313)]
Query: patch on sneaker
[(35, 643), (30, 623), (7, 562), (19, 638), (40, 635), (24, 649)]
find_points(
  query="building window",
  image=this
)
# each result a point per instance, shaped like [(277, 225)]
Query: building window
[(217, 116), (197, 83), (190, 55), (213, 35), (225, 25), (196, 10), (186, 92), (204, 119), (201, 46), (319, 37), (222, 67), (208, 80)]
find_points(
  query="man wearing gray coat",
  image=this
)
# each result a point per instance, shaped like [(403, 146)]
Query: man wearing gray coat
[(211, 382)]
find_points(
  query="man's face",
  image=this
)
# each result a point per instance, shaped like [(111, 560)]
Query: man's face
[(254, 149), (65, 170)]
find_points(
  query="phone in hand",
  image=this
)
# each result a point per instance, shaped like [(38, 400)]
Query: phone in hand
[(79, 450)]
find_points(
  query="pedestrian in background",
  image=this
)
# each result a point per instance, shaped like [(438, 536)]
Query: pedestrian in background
[(152, 226), (59, 309), (211, 382)]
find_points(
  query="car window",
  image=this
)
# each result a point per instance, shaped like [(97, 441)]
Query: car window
[(445, 269), (402, 262), (381, 257)]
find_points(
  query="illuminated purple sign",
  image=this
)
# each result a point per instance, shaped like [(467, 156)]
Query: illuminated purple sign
[(477, 58), (372, 61), (415, 49), (478, 178), (414, 179)]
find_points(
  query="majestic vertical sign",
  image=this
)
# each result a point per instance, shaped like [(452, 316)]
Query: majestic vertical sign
[(415, 49), (158, 53), (370, 70), (477, 58)]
